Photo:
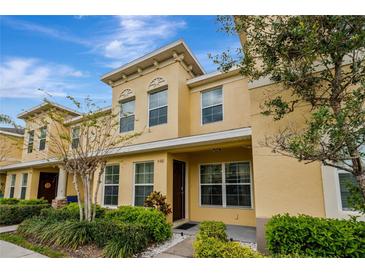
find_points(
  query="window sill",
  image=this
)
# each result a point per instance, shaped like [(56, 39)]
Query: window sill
[(227, 207), (210, 123)]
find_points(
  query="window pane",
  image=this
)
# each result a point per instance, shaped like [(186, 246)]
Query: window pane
[(111, 183), (238, 173), (127, 108), (11, 194), (211, 195), (25, 179), (111, 195), (238, 195), (212, 114), (127, 123), (141, 192), (23, 192), (213, 97), (211, 174), (158, 116), (144, 173), (346, 180), (158, 99)]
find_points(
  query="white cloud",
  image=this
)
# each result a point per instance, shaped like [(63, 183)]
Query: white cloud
[(136, 36), (32, 78)]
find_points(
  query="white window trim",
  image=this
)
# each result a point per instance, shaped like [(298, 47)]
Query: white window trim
[(41, 139), (134, 179), (201, 105), (28, 144), (72, 136), (126, 114), (338, 192), (12, 184), (224, 205), (24, 186), (165, 88), (103, 190)]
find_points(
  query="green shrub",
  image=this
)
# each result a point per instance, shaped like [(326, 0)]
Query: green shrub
[(33, 202), (69, 234), (9, 201), (16, 213), (69, 212), (130, 239), (155, 222), (209, 247), (213, 229), (307, 236), (103, 230)]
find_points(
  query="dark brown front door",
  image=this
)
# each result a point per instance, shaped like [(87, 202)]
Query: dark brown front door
[(47, 187), (178, 210)]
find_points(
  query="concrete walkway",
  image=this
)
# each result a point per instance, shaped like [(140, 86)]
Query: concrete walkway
[(183, 249), (10, 228), (9, 250)]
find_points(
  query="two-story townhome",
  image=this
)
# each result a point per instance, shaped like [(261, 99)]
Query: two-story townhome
[(200, 145)]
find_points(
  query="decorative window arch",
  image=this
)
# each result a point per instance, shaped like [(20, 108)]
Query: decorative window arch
[(126, 93), (157, 83)]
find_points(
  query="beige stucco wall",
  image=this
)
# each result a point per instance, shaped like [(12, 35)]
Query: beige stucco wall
[(10, 149), (282, 184), (238, 216), (236, 106)]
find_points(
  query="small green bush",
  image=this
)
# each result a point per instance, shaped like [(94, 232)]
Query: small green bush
[(209, 247), (155, 222), (213, 229), (16, 213), (103, 230), (157, 200), (130, 239), (9, 201), (211, 242), (307, 236)]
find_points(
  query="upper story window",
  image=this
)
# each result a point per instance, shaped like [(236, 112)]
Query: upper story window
[(12, 185), (212, 106), (226, 185), (30, 141), (23, 189), (157, 108), (75, 137), (126, 120), (42, 138)]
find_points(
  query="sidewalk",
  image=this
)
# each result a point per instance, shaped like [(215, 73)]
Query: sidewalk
[(183, 249), (9, 228), (9, 250)]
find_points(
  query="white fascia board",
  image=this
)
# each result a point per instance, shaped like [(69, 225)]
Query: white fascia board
[(81, 117), (22, 114), (212, 76), (210, 138), (29, 164), (12, 134)]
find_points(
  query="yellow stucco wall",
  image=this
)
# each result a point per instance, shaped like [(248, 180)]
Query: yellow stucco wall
[(10, 149), (238, 216), (282, 184)]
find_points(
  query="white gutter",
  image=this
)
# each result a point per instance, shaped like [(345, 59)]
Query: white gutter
[(12, 134)]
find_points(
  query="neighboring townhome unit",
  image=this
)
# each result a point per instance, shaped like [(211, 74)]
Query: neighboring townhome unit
[(199, 142)]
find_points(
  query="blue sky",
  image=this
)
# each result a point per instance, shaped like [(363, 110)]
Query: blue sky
[(66, 55)]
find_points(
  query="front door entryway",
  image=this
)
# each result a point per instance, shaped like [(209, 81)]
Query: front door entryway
[(178, 210), (47, 187)]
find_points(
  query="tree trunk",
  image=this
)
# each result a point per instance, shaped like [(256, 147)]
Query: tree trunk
[(74, 181), (361, 180), (98, 183), (84, 182)]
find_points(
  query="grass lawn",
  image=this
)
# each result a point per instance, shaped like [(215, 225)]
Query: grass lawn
[(20, 241)]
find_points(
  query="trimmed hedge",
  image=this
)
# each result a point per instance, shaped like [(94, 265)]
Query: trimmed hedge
[(16, 213), (307, 236), (154, 221), (129, 240), (211, 242), (15, 201)]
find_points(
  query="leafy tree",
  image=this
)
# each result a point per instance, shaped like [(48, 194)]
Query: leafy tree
[(320, 61)]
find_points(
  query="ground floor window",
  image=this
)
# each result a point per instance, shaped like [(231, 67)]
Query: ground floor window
[(346, 180), (111, 185), (226, 184), (143, 182), (23, 190), (12, 185)]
